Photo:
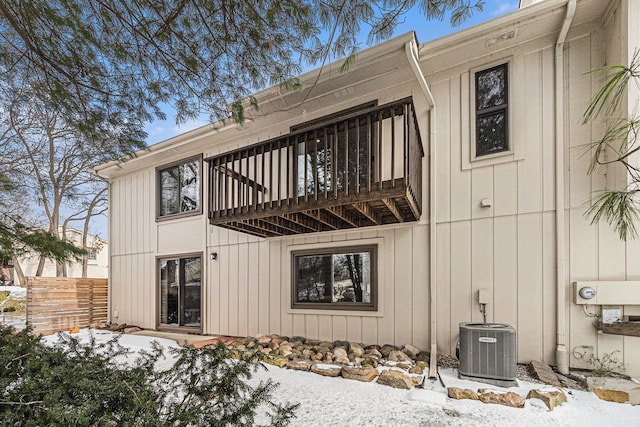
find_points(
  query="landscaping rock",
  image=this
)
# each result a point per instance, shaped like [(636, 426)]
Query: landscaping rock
[(508, 398), (416, 370), (551, 398), (296, 339), (326, 344), (356, 349), (280, 362), (339, 352), (398, 356), (395, 379), (545, 374), (326, 370), (359, 374), (339, 343), (299, 365), (373, 352), (341, 360), (461, 393), (264, 340), (387, 349), (411, 351), (617, 396)]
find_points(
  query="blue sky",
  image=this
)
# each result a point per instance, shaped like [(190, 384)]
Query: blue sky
[(414, 20), (161, 130)]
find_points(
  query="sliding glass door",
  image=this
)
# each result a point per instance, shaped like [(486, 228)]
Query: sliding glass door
[(180, 291)]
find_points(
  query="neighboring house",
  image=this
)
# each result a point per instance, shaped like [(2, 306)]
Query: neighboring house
[(97, 260), (381, 205)]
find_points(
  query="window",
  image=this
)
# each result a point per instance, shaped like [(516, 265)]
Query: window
[(342, 278), (180, 291), (179, 188), (93, 253), (491, 110)]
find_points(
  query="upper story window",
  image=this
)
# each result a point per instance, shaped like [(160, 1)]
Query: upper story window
[(492, 110), (338, 278), (179, 188)]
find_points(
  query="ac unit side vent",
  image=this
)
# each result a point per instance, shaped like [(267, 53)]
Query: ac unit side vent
[(488, 353)]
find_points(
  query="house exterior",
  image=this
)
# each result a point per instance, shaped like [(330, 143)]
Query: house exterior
[(384, 204), (97, 259)]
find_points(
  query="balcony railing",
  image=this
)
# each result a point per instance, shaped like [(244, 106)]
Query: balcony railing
[(361, 169)]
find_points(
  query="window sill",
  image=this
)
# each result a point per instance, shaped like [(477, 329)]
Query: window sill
[(333, 312), (179, 215)]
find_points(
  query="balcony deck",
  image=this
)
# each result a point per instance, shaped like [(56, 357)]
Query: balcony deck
[(357, 170)]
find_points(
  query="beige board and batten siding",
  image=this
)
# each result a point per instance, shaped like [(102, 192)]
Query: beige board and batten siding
[(507, 248), (595, 251), (133, 232), (250, 287)]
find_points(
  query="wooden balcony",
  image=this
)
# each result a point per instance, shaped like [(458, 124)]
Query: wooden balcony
[(357, 170)]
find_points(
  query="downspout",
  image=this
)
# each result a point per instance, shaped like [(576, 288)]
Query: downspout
[(412, 55), (562, 355)]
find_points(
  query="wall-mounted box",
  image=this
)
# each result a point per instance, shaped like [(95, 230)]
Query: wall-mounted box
[(622, 292)]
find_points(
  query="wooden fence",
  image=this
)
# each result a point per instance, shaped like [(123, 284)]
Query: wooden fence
[(59, 303)]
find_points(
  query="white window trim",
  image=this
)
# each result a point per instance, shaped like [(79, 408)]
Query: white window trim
[(381, 289), (468, 92)]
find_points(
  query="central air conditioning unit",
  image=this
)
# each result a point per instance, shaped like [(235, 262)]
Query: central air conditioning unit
[(488, 353)]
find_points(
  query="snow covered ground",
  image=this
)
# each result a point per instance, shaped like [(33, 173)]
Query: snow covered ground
[(9, 318), (337, 401)]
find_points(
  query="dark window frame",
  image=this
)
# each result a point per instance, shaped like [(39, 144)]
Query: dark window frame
[(504, 108), (169, 326), (337, 250), (164, 167)]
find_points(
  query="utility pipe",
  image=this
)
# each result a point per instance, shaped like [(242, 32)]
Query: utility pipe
[(562, 355), (411, 50)]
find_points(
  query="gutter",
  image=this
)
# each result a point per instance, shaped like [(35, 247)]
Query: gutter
[(411, 50), (562, 355)]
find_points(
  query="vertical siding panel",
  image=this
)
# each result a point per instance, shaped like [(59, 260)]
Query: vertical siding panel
[(253, 289), (460, 303), (441, 93), (370, 331), (264, 305), (287, 323), (224, 302), (580, 92), (354, 329), (529, 287), (139, 221), (505, 262), (481, 263), (312, 328), (444, 287), (213, 295), (296, 326), (129, 203), (325, 328), (548, 131), (633, 266), (530, 169), (420, 296), (549, 299), (506, 189), (386, 286), (234, 266), (243, 289), (274, 288), (459, 129), (339, 328), (403, 325), (481, 188), (631, 351)]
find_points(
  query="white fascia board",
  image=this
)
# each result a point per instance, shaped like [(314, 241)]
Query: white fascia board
[(487, 28)]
